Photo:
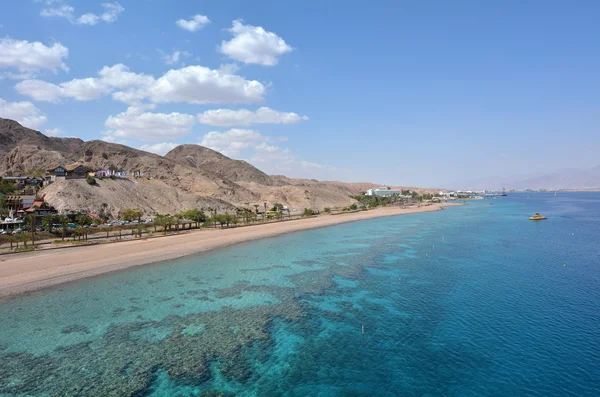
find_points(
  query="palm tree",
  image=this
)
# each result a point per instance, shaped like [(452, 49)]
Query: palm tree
[(47, 222), (24, 238), (31, 221), (64, 222), (78, 232)]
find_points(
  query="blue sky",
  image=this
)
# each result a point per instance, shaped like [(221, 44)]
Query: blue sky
[(412, 93)]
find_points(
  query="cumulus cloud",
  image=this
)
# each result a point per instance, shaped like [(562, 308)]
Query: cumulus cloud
[(32, 56), (40, 90), (119, 76), (192, 84), (84, 89), (263, 115), (232, 142), (174, 57), (201, 85), (253, 44), (260, 150), (161, 148), (80, 89), (270, 153), (60, 9), (134, 123), (26, 113), (194, 24)]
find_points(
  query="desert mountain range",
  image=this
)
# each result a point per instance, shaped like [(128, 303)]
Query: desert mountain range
[(189, 176)]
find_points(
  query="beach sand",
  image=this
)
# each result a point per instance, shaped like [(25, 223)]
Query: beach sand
[(29, 271)]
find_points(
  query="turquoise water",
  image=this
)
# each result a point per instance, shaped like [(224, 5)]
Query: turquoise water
[(474, 300)]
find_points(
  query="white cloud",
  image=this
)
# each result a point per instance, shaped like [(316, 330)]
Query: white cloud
[(232, 142), (250, 144), (173, 58), (53, 132), (26, 113), (192, 84), (270, 153), (134, 123), (62, 10), (88, 19), (159, 148), (18, 76), (264, 115), (201, 85), (193, 25), (119, 76), (253, 44), (111, 12), (31, 56), (40, 90), (84, 89), (80, 89)]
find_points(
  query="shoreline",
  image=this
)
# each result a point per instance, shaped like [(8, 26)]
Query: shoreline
[(30, 271)]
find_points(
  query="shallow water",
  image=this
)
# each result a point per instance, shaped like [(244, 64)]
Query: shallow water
[(474, 300)]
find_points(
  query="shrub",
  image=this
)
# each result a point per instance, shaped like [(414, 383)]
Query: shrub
[(90, 180), (354, 207), (327, 210)]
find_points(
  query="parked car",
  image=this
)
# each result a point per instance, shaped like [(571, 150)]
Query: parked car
[(3, 232), (17, 231)]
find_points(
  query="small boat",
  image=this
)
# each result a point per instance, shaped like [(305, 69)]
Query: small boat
[(537, 217)]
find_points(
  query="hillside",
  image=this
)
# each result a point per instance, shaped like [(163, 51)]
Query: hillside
[(190, 176), (13, 134), (200, 157)]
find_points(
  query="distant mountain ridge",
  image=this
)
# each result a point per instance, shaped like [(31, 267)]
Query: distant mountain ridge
[(570, 178)]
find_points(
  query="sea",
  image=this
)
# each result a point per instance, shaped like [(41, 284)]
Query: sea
[(474, 300)]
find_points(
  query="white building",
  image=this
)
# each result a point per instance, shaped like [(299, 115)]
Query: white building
[(382, 191)]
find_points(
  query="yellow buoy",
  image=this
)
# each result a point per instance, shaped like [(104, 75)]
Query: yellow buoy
[(565, 265)]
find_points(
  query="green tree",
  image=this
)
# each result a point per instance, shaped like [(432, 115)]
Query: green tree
[(195, 215), (307, 212), (48, 222), (78, 233), (91, 180), (130, 214), (31, 221), (277, 207), (64, 222), (6, 187), (160, 220), (24, 237)]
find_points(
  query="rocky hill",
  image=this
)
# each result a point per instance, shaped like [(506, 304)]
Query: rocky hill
[(13, 134), (190, 176), (200, 157)]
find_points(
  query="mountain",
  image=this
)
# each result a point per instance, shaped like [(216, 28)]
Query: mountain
[(570, 178), (13, 134), (200, 157), (190, 176)]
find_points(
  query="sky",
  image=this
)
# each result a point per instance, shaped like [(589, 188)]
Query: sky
[(406, 93)]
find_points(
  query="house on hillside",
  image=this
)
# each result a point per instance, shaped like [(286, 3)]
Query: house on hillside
[(103, 173), (19, 202), (40, 208), (73, 171)]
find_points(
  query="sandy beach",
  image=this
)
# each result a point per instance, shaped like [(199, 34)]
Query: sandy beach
[(29, 271)]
